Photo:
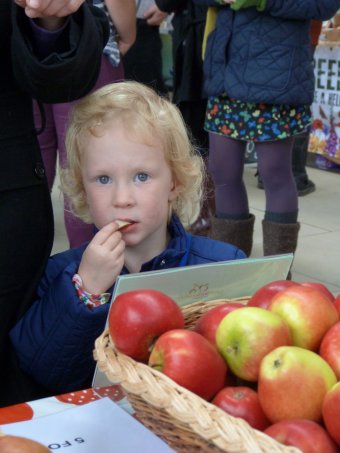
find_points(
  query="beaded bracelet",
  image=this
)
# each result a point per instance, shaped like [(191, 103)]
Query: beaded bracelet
[(90, 300)]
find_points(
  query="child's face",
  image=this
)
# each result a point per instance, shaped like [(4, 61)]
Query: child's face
[(128, 180)]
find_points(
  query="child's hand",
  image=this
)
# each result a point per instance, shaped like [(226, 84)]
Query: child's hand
[(102, 260)]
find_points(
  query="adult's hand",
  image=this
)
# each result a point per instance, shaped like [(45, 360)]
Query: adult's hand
[(154, 16), (50, 14)]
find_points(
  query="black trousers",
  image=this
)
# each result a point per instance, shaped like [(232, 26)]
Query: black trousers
[(26, 236), (143, 61)]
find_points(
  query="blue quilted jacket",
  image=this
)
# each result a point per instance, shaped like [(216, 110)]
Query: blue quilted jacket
[(54, 341), (264, 56)]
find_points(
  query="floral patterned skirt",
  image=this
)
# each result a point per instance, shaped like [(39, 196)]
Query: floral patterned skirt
[(255, 122)]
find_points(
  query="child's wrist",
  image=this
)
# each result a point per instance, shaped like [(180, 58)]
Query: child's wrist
[(89, 299)]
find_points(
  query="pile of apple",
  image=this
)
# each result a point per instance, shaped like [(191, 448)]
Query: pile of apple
[(274, 362)]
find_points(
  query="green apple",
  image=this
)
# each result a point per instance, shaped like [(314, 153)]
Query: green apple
[(246, 335), (293, 383), (308, 312)]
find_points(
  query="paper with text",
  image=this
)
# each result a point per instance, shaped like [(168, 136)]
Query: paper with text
[(101, 426)]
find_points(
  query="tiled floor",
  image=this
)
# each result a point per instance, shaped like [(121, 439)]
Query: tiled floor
[(318, 254)]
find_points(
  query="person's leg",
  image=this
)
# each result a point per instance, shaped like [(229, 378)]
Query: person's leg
[(47, 140), (299, 160), (274, 162), (280, 226), (303, 184), (226, 162), (232, 222), (143, 61)]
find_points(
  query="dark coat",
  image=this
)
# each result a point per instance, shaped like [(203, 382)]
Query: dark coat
[(26, 218), (55, 339), (187, 36), (188, 23), (264, 57)]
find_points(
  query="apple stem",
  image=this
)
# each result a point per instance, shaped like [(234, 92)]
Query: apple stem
[(239, 395), (232, 350)]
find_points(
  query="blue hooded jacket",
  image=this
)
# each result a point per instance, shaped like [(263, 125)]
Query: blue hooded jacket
[(264, 56), (54, 341)]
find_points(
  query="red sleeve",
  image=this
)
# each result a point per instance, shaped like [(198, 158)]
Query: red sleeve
[(315, 30)]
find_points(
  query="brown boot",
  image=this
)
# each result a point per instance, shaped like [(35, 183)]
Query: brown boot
[(279, 238), (202, 226), (236, 232)]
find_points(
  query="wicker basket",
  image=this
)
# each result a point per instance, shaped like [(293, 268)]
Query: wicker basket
[(183, 420)]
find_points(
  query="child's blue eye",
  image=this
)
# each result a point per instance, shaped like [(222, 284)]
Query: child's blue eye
[(104, 179), (142, 177)]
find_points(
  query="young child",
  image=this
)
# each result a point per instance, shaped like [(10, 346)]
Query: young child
[(129, 159)]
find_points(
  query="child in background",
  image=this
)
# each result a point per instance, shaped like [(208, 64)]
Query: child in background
[(259, 79), (129, 159)]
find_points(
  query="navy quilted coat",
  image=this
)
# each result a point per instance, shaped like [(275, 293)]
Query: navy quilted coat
[(264, 56), (55, 338)]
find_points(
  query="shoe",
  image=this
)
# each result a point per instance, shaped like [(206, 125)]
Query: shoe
[(305, 187), (259, 180)]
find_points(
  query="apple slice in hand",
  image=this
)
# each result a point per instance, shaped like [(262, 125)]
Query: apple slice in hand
[(122, 224)]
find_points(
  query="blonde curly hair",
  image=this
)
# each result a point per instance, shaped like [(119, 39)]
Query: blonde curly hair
[(147, 117)]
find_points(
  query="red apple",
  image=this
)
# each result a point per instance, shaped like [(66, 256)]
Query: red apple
[(207, 324), (331, 412), (330, 348), (320, 287), (337, 303), (16, 444), (138, 317), (264, 295), (308, 313), (292, 384), (306, 435), (246, 335), (191, 361), (242, 402)]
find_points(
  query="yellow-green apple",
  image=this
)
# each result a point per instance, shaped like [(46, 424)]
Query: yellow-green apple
[(246, 335), (208, 322), (292, 384), (308, 313), (242, 402), (306, 435), (138, 317), (190, 360), (331, 412), (330, 348), (320, 287), (264, 295)]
